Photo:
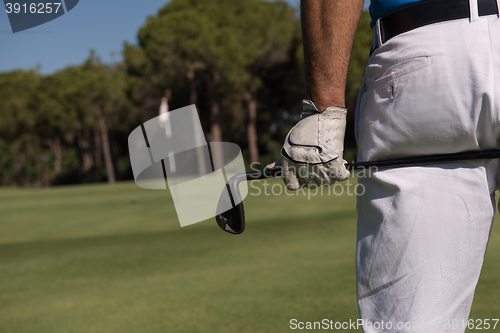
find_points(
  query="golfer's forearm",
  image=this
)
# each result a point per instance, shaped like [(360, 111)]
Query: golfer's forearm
[(328, 28)]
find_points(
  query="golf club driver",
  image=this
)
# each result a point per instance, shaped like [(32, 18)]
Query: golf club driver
[(233, 220)]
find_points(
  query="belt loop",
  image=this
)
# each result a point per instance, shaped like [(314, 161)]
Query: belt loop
[(377, 36), (474, 13)]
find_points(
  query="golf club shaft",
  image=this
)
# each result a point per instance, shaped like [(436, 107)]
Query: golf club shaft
[(397, 162), (427, 159)]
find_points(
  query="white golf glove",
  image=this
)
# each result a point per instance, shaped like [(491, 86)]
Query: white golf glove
[(312, 154)]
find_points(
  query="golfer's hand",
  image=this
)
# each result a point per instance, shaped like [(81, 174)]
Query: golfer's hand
[(312, 154)]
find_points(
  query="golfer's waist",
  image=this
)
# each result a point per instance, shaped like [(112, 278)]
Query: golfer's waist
[(427, 12)]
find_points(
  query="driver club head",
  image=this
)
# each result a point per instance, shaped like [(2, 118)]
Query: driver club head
[(233, 220)]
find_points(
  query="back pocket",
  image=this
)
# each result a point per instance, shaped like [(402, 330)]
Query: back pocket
[(401, 69)]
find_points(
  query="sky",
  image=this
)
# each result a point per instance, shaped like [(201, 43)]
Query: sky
[(102, 25)]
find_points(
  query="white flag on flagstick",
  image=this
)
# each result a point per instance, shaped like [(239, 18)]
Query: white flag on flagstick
[(165, 117), (164, 120)]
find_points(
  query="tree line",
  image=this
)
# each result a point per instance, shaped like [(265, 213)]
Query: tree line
[(240, 62)]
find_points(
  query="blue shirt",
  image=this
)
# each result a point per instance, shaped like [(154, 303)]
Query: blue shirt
[(380, 8)]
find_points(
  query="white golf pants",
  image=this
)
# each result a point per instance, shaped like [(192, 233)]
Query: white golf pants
[(423, 231)]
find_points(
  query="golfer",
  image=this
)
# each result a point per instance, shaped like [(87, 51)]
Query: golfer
[(431, 87)]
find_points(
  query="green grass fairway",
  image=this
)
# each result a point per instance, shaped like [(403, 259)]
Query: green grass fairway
[(109, 259)]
